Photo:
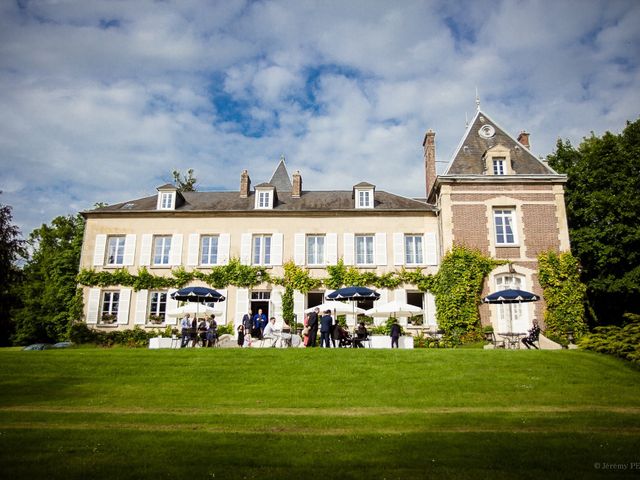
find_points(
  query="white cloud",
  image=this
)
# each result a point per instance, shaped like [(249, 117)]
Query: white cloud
[(101, 100)]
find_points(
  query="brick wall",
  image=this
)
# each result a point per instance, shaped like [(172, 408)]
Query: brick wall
[(470, 226), (540, 229)]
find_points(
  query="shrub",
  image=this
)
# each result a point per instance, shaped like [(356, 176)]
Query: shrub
[(623, 342)]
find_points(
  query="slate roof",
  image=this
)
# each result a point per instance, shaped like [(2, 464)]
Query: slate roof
[(468, 157), (310, 201), (280, 178)]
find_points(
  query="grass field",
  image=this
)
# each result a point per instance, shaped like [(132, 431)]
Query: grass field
[(264, 413)]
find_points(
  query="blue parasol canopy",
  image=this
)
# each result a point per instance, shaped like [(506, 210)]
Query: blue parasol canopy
[(198, 294), (511, 296), (353, 293)]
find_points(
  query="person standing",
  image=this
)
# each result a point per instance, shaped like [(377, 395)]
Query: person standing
[(212, 331), (185, 326), (326, 322), (247, 322), (259, 322), (313, 327), (395, 333), (240, 335)]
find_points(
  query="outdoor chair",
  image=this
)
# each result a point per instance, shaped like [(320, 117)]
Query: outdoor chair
[(491, 338)]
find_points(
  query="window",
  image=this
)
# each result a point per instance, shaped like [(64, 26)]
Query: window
[(166, 200), (413, 250), (315, 249), (505, 226), (110, 301), (261, 250), (365, 198), (263, 199), (157, 306), (498, 165), (209, 250), (115, 250), (161, 249), (510, 315), (364, 249)]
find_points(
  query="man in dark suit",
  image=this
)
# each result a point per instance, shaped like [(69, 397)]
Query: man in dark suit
[(326, 323), (313, 327)]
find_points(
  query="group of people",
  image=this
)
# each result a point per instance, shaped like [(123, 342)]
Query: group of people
[(333, 334), (205, 330), (257, 326)]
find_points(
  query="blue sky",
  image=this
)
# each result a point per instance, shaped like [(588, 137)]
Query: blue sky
[(102, 100)]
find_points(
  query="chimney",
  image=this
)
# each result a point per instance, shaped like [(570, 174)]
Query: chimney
[(245, 184), (429, 144), (523, 138), (297, 184)]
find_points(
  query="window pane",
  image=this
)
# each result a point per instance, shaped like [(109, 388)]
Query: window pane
[(267, 250), (209, 251), (257, 244)]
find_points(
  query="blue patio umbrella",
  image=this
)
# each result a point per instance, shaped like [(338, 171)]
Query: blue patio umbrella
[(511, 296), (198, 294), (353, 294)]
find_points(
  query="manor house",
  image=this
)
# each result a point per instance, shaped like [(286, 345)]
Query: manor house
[(494, 195)]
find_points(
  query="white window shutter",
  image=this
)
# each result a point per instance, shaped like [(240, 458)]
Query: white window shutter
[(429, 317), (245, 249), (299, 248), (331, 255), (123, 306), (381, 249), (242, 304), (400, 295), (98, 253), (276, 249), (348, 243), (93, 306), (145, 249), (398, 248), (194, 249), (298, 308), (221, 318), (384, 296), (171, 305), (430, 249), (129, 249), (175, 253), (224, 243), (141, 307)]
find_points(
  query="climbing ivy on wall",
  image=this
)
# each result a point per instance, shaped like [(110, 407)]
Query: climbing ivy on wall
[(457, 285), (563, 292), (457, 289)]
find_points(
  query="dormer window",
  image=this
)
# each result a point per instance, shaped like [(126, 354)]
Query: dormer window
[(499, 165), (363, 194), (169, 198), (264, 197)]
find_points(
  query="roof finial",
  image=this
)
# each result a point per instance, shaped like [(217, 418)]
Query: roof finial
[(282, 157), (477, 100)]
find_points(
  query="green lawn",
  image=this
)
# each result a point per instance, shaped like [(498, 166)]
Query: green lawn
[(263, 413)]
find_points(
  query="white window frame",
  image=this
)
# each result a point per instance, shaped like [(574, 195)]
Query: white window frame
[(264, 199), (155, 298), (119, 247), (364, 198), (211, 258), (368, 256), (499, 165), (316, 249), (516, 313), (261, 249), (165, 254), (416, 242), (109, 306), (166, 200), (503, 218)]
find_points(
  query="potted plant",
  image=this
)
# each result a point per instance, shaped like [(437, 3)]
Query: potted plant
[(109, 318), (156, 319)]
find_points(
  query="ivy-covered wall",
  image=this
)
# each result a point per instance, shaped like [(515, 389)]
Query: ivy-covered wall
[(457, 286)]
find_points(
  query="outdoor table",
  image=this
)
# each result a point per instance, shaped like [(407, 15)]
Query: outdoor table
[(512, 339)]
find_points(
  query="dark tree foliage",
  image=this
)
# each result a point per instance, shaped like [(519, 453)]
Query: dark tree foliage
[(185, 183), (51, 300), (603, 210), (12, 248)]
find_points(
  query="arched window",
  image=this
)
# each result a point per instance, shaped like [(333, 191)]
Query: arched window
[(512, 317)]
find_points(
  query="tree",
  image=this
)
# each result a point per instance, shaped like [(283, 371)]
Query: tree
[(185, 183), (51, 299), (12, 248), (603, 211)]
